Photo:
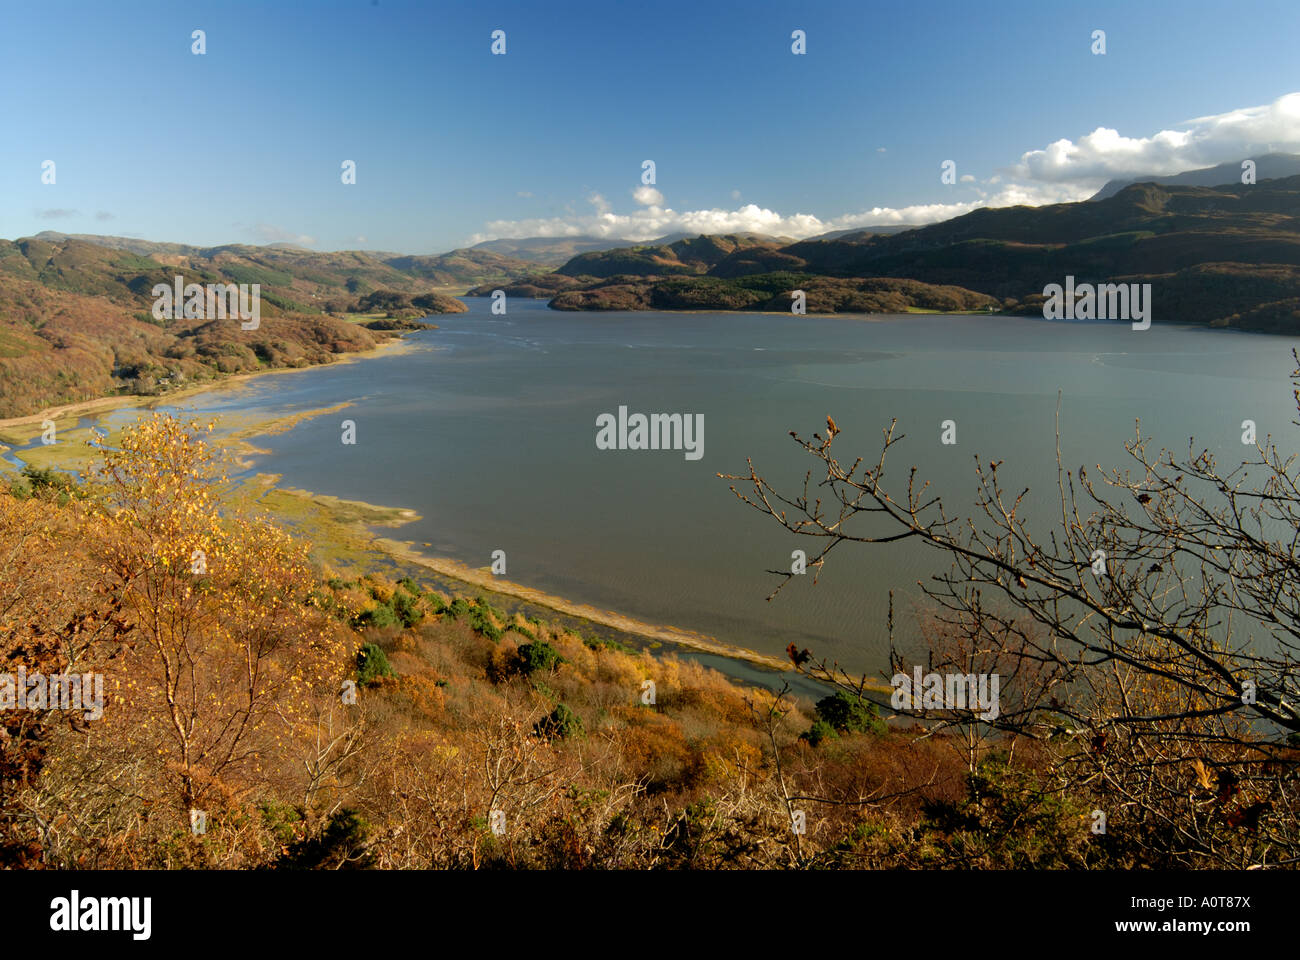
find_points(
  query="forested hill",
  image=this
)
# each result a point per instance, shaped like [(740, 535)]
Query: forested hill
[(1226, 255), (77, 320)]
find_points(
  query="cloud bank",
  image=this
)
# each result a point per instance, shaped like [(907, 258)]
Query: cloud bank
[(1063, 171)]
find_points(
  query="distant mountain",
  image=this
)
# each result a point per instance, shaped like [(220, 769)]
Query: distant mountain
[(688, 256), (306, 276), (145, 248), (461, 268), (1271, 166), (680, 257), (547, 251), (556, 251), (864, 231), (1224, 256)]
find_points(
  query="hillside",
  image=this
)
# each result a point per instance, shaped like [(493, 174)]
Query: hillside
[(1226, 255), (305, 276), (731, 272), (546, 251), (61, 347), (76, 320), (682, 257), (556, 251)]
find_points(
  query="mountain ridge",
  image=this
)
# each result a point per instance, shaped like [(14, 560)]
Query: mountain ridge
[(1227, 255), (1269, 166)]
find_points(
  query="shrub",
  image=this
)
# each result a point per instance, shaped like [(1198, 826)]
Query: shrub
[(407, 608), (538, 655), (560, 724), (380, 615), (282, 820), (522, 630), (819, 731), (49, 481), (372, 664), (603, 643), (340, 846), (480, 620), (1009, 819), (847, 713)]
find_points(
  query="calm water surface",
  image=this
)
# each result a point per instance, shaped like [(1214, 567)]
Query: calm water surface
[(488, 430)]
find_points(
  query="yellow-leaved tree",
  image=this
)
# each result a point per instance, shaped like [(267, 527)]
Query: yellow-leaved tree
[(230, 660)]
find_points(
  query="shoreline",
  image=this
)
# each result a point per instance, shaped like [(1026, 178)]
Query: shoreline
[(359, 518), (664, 633), (78, 408)]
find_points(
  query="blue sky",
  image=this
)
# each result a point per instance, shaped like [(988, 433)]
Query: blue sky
[(452, 144)]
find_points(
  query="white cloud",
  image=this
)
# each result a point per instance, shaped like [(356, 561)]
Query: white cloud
[(651, 222), (1204, 142), (1061, 172), (647, 196)]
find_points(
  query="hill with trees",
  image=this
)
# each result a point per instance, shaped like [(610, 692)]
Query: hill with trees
[(1226, 256), (77, 320)]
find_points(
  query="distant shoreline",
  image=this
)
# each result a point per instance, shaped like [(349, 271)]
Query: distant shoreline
[(104, 404)]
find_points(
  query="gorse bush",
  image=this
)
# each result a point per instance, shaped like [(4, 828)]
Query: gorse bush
[(605, 643), (49, 483), (379, 615), (481, 617), (406, 608), (1009, 819), (521, 630), (560, 724), (372, 664), (844, 712), (538, 655), (819, 731), (340, 846), (389, 608)]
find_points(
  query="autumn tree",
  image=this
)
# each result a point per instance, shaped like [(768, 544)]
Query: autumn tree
[(229, 660)]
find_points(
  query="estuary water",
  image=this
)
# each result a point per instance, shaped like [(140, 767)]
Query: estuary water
[(487, 427)]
